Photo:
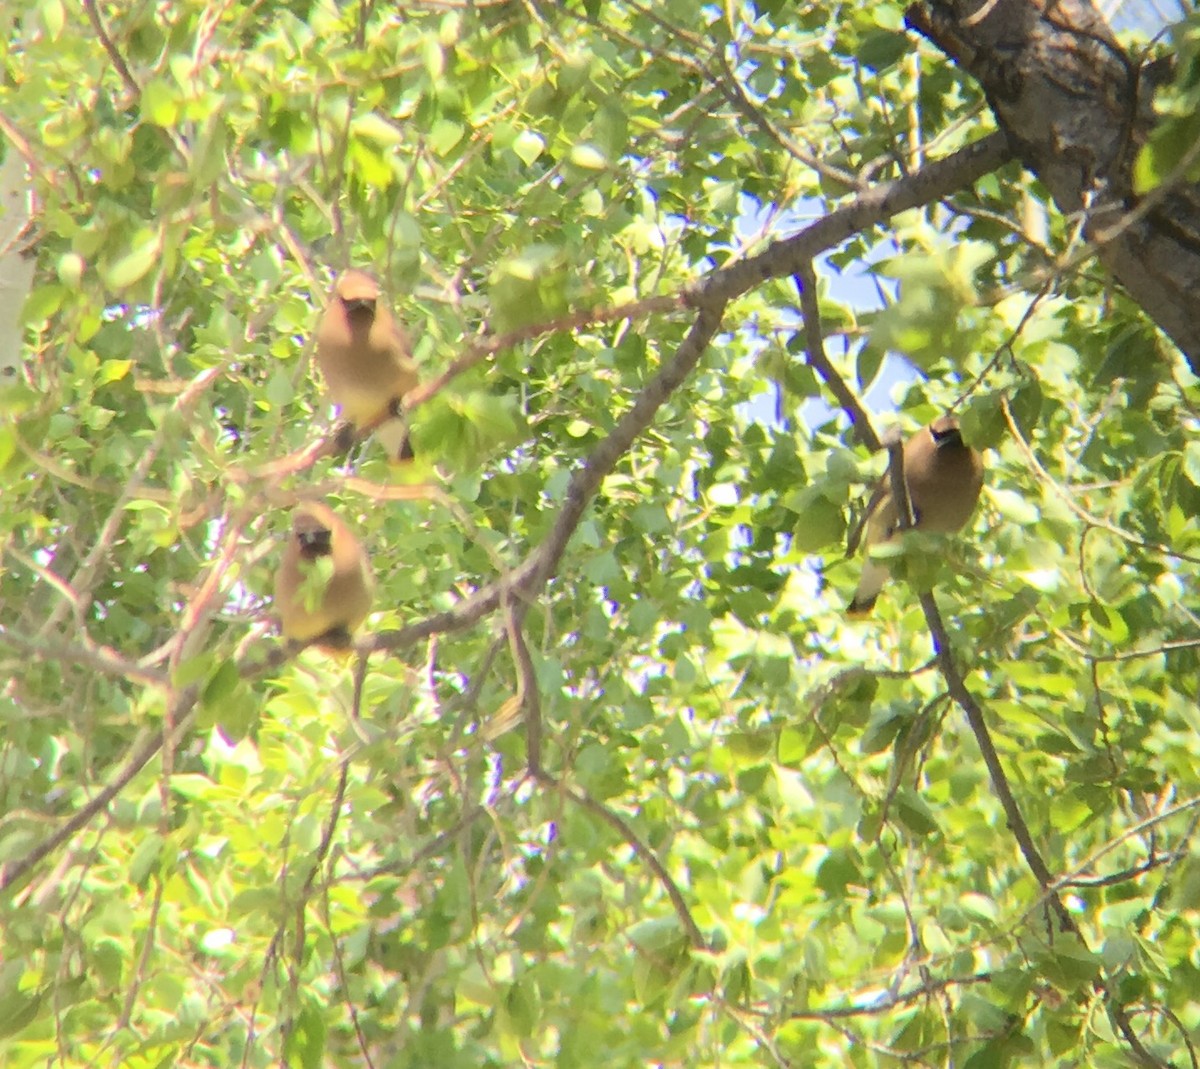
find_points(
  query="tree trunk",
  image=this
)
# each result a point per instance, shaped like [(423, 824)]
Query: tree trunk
[(1076, 109)]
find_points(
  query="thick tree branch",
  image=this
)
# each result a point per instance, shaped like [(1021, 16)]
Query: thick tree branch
[(532, 574), (788, 256)]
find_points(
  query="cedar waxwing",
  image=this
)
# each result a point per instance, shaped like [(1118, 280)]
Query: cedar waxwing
[(330, 615), (366, 360), (944, 477)]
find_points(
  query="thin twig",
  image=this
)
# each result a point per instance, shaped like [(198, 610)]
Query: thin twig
[(485, 347), (877, 1006), (143, 966), (85, 577), (983, 737), (898, 483), (98, 658), (814, 340), (1016, 820), (527, 687), (114, 54), (586, 801), (183, 716), (1043, 476)]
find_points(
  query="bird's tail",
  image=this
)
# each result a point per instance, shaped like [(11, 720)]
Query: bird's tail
[(394, 436), (874, 575)]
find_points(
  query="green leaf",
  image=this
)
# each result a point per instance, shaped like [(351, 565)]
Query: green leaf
[(144, 253), (113, 371), (377, 129), (521, 1007), (529, 146), (445, 135), (306, 1039), (882, 49), (145, 858), (1014, 507), (819, 523), (1172, 142), (1191, 462), (18, 1010), (160, 102), (837, 871), (913, 812), (220, 684), (589, 157), (53, 16)]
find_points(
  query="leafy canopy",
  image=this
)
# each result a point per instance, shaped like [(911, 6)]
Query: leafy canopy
[(657, 802)]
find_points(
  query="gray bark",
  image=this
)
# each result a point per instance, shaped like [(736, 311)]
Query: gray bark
[(1076, 108)]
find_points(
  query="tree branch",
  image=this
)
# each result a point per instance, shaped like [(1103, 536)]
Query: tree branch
[(1016, 820), (98, 658), (183, 715), (1077, 109), (814, 341), (484, 347), (789, 255), (533, 573), (114, 53), (875, 1007), (623, 828)]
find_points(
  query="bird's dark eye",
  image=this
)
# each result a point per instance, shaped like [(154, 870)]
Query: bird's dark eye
[(314, 543)]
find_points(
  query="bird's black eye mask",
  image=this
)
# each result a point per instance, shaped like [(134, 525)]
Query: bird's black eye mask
[(360, 307), (944, 438), (314, 544)]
